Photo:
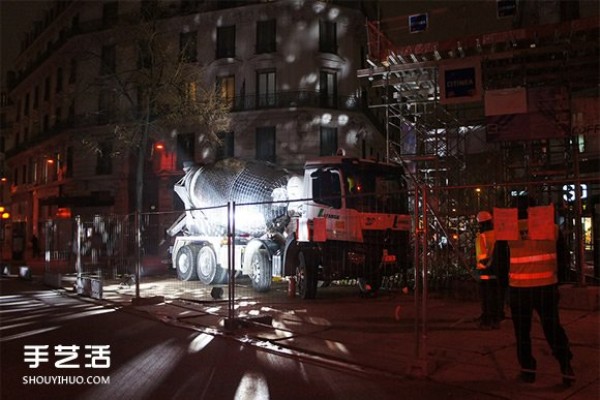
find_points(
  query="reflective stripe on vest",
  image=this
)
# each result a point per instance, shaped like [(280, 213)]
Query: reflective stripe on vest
[(530, 259), (529, 276)]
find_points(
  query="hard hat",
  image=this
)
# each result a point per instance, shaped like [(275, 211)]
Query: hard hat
[(483, 216)]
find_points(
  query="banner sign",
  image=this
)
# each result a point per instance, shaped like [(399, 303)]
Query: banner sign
[(540, 223), (460, 81), (506, 223), (417, 23), (505, 101), (547, 116), (506, 8)]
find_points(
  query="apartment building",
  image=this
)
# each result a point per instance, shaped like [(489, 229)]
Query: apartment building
[(286, 68)]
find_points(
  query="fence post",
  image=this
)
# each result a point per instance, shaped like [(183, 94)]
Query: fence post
[(230, 323), (78, 267), (421, 366), (138, 252)]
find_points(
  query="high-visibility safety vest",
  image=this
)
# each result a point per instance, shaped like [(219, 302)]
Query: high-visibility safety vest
[(532, 262), (484, 245)]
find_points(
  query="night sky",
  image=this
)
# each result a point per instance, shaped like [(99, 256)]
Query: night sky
[(16, 18)]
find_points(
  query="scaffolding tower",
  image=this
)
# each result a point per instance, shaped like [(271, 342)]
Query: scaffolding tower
[(554, 63)]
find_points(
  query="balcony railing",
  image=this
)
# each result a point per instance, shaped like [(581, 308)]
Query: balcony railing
[(296, 99), (279, 100)]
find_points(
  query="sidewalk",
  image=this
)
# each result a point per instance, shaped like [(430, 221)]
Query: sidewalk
[(386, 335), (378, 335)]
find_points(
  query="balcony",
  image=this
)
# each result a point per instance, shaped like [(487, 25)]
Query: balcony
[(279, 100), (296, 99)]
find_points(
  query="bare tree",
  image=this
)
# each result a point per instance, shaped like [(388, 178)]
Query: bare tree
[(153, 93), (155, 90)]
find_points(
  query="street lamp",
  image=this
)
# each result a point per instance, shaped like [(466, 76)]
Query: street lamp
[(478, 192)]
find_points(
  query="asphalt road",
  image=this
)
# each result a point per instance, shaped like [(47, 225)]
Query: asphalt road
[(149, 359)]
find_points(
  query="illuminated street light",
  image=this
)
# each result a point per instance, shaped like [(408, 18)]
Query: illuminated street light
[(3, 213)]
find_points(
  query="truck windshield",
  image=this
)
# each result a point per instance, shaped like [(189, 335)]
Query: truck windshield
[(375, 188)]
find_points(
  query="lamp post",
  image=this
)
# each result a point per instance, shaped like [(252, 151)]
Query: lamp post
[(4, 215)]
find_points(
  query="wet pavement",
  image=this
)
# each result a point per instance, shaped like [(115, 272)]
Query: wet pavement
[(436, 340)]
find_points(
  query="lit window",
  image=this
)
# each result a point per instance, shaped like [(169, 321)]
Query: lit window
[(226, 87)]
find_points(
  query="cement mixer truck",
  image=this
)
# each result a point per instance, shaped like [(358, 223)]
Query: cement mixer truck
[(342, 218)]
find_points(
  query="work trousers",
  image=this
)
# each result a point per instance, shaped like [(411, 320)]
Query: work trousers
[(544, 300), (492, 301)]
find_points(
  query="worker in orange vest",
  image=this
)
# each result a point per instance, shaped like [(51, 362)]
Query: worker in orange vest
[(492, 303), (533, 286)]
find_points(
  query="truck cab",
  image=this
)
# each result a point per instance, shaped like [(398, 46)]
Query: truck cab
[(354, 223)]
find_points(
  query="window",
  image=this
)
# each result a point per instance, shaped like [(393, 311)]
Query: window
[(58, 167), (265, 36), (69, 163), (327, 37), (106, 106), (226, 149), (144, 54), (266, 88), (265, 143), (73, 71), (57, 116), (226, 87), (226, 41), (34, 172), (26, 105), (71, 115), (30, 173), (36, 97), (185, 149), (328, 141), (108, 60), (47, 89), (328, 89), (191, 92), (110, 14), (59, 80), (104, 159), (326, 188), (188, 46)]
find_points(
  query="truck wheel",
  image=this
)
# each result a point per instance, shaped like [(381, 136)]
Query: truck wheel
[(306, 277), (185, 263), (261, 271), (208, 270)]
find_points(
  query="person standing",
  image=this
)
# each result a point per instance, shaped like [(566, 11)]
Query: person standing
[(533, 286), (489, 291)]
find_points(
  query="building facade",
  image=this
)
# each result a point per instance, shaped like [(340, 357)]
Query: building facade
[(286, 68)]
